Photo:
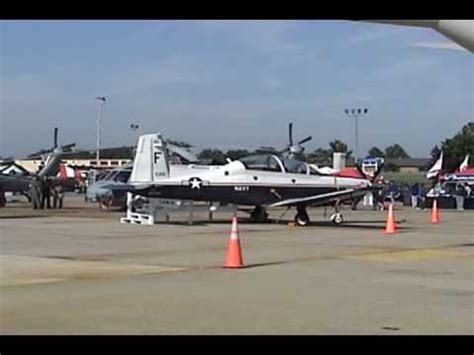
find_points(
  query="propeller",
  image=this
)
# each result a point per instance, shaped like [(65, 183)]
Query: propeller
[(294, 149), (376, 174), (43, 152)]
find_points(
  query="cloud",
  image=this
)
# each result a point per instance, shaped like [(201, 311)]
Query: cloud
[(173, 70), (271, 84), (265, 36)]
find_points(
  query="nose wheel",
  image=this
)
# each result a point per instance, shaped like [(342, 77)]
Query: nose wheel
[(337, 218)]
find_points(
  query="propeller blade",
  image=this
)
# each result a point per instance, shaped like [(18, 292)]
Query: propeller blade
[(377, 173), (359, 169), (290, 126), (183, 152), (55, 137), (68, 146), (305, 140)]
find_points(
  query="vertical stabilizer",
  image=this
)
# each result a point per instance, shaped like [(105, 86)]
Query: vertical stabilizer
[(151, 160)]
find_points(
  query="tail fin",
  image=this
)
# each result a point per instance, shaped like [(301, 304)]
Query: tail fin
[(151, 160)]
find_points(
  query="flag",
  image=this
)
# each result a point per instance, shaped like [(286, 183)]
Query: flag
[(464, 165), (436, 168)]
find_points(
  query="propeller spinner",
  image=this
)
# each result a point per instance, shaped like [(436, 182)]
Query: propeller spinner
[(295, 149)]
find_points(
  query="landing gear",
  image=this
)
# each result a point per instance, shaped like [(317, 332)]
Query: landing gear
[(259, 214), (337, 218), (301, 218)]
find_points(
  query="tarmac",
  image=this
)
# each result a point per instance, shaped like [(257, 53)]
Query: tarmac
[(80, 271)]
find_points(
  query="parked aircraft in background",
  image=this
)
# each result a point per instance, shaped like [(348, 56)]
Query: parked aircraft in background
[(22, 183), (262, 181)]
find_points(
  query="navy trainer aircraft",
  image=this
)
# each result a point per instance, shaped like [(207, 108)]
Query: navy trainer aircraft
[(262, 181)]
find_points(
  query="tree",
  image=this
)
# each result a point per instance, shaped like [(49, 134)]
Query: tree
[(265, 150), (375, 152), (456, 148), (338, 146), (396, 151), (216, 156), (237, 153), (320, 156)]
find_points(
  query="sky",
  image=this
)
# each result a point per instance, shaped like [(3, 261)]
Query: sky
[(230, 84)]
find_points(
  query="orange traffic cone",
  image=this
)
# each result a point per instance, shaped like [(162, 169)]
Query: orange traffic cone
[(435, 212), (233, 257), (390, 227)]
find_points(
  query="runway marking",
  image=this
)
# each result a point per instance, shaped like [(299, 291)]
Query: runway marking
[(408, 255), (18, 270)]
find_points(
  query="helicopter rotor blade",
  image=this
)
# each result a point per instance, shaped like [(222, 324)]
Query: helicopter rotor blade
[(55, 139), (290, 126), (305, 140)]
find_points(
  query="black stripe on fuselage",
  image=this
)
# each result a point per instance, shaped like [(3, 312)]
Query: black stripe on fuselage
[(239, 195)]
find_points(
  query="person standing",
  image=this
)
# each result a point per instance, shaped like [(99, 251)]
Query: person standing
[(3, 199), (406, 195), (422, 196), (46, 193), (468, 189), (415, 191), (460, 193), (58, 196), (36, 188)]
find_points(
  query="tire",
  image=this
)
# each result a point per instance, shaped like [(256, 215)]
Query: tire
[(337, 218), (259, 215), (302, 219)]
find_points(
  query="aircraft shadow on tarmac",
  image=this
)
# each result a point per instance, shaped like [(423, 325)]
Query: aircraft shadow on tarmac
[(25, 216), (359, 224)]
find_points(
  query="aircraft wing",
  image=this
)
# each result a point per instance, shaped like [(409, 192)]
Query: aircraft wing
[(323, 199), (15, 183)]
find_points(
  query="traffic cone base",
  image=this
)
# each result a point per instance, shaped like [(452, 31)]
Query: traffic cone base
[(390, 227), (234, 254), (233, 257)]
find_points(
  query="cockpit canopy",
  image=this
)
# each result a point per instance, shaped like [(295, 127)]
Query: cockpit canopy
[(270, 162)]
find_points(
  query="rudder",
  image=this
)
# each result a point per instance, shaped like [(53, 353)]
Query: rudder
[(151, 160)]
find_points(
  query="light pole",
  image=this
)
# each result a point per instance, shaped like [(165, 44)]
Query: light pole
[(134, 127), (356, 112), (100, 102)]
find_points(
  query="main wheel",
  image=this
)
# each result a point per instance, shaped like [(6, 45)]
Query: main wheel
[(302, 219), (259, 214)]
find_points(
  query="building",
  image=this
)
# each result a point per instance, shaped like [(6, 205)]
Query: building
[(32, 165), (408, 165)]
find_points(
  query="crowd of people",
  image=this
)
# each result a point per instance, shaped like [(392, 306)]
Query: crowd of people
[(42, 190), (415, 195)]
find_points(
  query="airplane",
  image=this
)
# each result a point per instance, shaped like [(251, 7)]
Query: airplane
[(22, 183), (459, 31), (110, 190), (263, 181)]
